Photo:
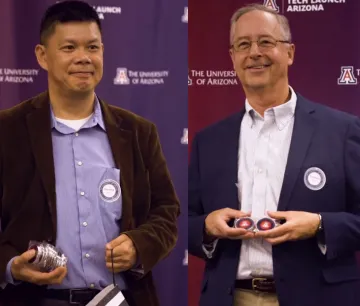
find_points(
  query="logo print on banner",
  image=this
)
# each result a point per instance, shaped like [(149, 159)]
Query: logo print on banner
[(121, 77), (184, 18), (186, 258), (11, 75), (184, 138), (189, 80), (101, 10), (126, 76), (347, 76), (212, 77), (271, 4), (298, 6)]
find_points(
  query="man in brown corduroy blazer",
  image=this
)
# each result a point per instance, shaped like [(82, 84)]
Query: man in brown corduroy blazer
[(32, 188)]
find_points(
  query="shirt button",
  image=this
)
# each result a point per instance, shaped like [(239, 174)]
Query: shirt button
[(84, 224), (260, 170), (92, 285), (76, 134), (82, 193), (79, 163), (87, 255)]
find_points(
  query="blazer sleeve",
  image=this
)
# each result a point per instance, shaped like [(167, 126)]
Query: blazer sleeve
[(342, 229), (7, 251), (196, 214), (155, 238)]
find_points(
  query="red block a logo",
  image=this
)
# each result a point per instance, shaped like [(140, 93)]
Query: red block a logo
[(271, 4), (347, 76)]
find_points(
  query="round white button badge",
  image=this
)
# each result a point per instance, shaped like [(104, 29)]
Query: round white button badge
[(109, 190), (314, 178)]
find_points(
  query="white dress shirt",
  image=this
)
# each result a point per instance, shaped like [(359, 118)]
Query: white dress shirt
[(263, 152)]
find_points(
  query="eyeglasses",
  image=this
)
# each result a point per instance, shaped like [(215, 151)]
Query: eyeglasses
[(264, 44)]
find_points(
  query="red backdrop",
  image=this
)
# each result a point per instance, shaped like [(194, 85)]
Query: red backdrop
[(326, 39)]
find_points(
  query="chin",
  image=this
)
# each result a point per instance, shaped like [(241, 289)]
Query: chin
[(82, 90), (83, 87), (256, 85)]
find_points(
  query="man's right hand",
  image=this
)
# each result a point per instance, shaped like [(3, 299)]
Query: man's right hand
[(22, 270), (216, 225)]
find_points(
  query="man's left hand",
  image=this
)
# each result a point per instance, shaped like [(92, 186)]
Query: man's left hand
[(299, 225), (124, 254)]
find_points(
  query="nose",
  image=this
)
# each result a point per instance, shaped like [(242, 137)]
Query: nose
[(82, 57), (254, 50)]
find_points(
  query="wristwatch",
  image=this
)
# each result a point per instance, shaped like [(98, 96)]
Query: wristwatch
[(320, 231), (320, 228)]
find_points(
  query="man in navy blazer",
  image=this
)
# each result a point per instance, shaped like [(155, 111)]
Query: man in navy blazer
[(285, 158)]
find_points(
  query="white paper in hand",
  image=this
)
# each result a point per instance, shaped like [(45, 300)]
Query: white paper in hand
[(109, 296)]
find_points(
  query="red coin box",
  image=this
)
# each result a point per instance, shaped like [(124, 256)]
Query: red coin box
[(265, 224), (245, 223)]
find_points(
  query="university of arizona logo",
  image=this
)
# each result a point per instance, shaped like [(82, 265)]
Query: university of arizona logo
[(185, 17), (184, 138), (121, 77), (271, 4), (347, 76), (185, 260)]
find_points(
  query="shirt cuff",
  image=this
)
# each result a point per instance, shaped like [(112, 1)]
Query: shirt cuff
[(8, 276), (322, 248), (138, 267), (209, 249), (139, 270)]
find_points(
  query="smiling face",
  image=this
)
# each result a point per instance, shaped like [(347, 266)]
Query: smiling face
[(73, 57), (260, 68)]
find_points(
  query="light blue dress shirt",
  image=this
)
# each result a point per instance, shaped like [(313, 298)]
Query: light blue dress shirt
[(89, 203)]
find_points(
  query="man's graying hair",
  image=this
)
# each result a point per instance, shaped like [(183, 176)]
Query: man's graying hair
[(283, 21)]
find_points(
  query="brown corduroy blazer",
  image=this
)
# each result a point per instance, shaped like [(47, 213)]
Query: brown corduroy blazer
[(28, 194)]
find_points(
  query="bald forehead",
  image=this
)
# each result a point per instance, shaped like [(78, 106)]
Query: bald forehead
[(255, 24)]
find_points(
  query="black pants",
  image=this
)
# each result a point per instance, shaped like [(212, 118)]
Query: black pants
[(14, 301), (28, 295)]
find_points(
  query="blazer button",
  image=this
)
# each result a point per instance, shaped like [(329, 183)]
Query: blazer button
[(230, 290)]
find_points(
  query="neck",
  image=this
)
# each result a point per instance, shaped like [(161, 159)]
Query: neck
[(265, 98), (71, 106)]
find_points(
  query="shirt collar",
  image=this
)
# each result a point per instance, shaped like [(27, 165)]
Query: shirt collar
[(99, 119), (96, 118), (283, 113)]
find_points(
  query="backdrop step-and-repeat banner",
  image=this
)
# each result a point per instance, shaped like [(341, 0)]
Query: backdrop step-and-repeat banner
[(326, 68), (145, 69)]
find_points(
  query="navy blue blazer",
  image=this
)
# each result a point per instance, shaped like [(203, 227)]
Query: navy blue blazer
[(322, 137)]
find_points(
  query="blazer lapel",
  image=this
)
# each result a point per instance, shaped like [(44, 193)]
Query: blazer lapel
[(122, 148), (39, 127), (230, 148), (304, 127)]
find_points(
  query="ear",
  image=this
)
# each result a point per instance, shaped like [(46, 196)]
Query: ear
[(291, 54), (40, 53)]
